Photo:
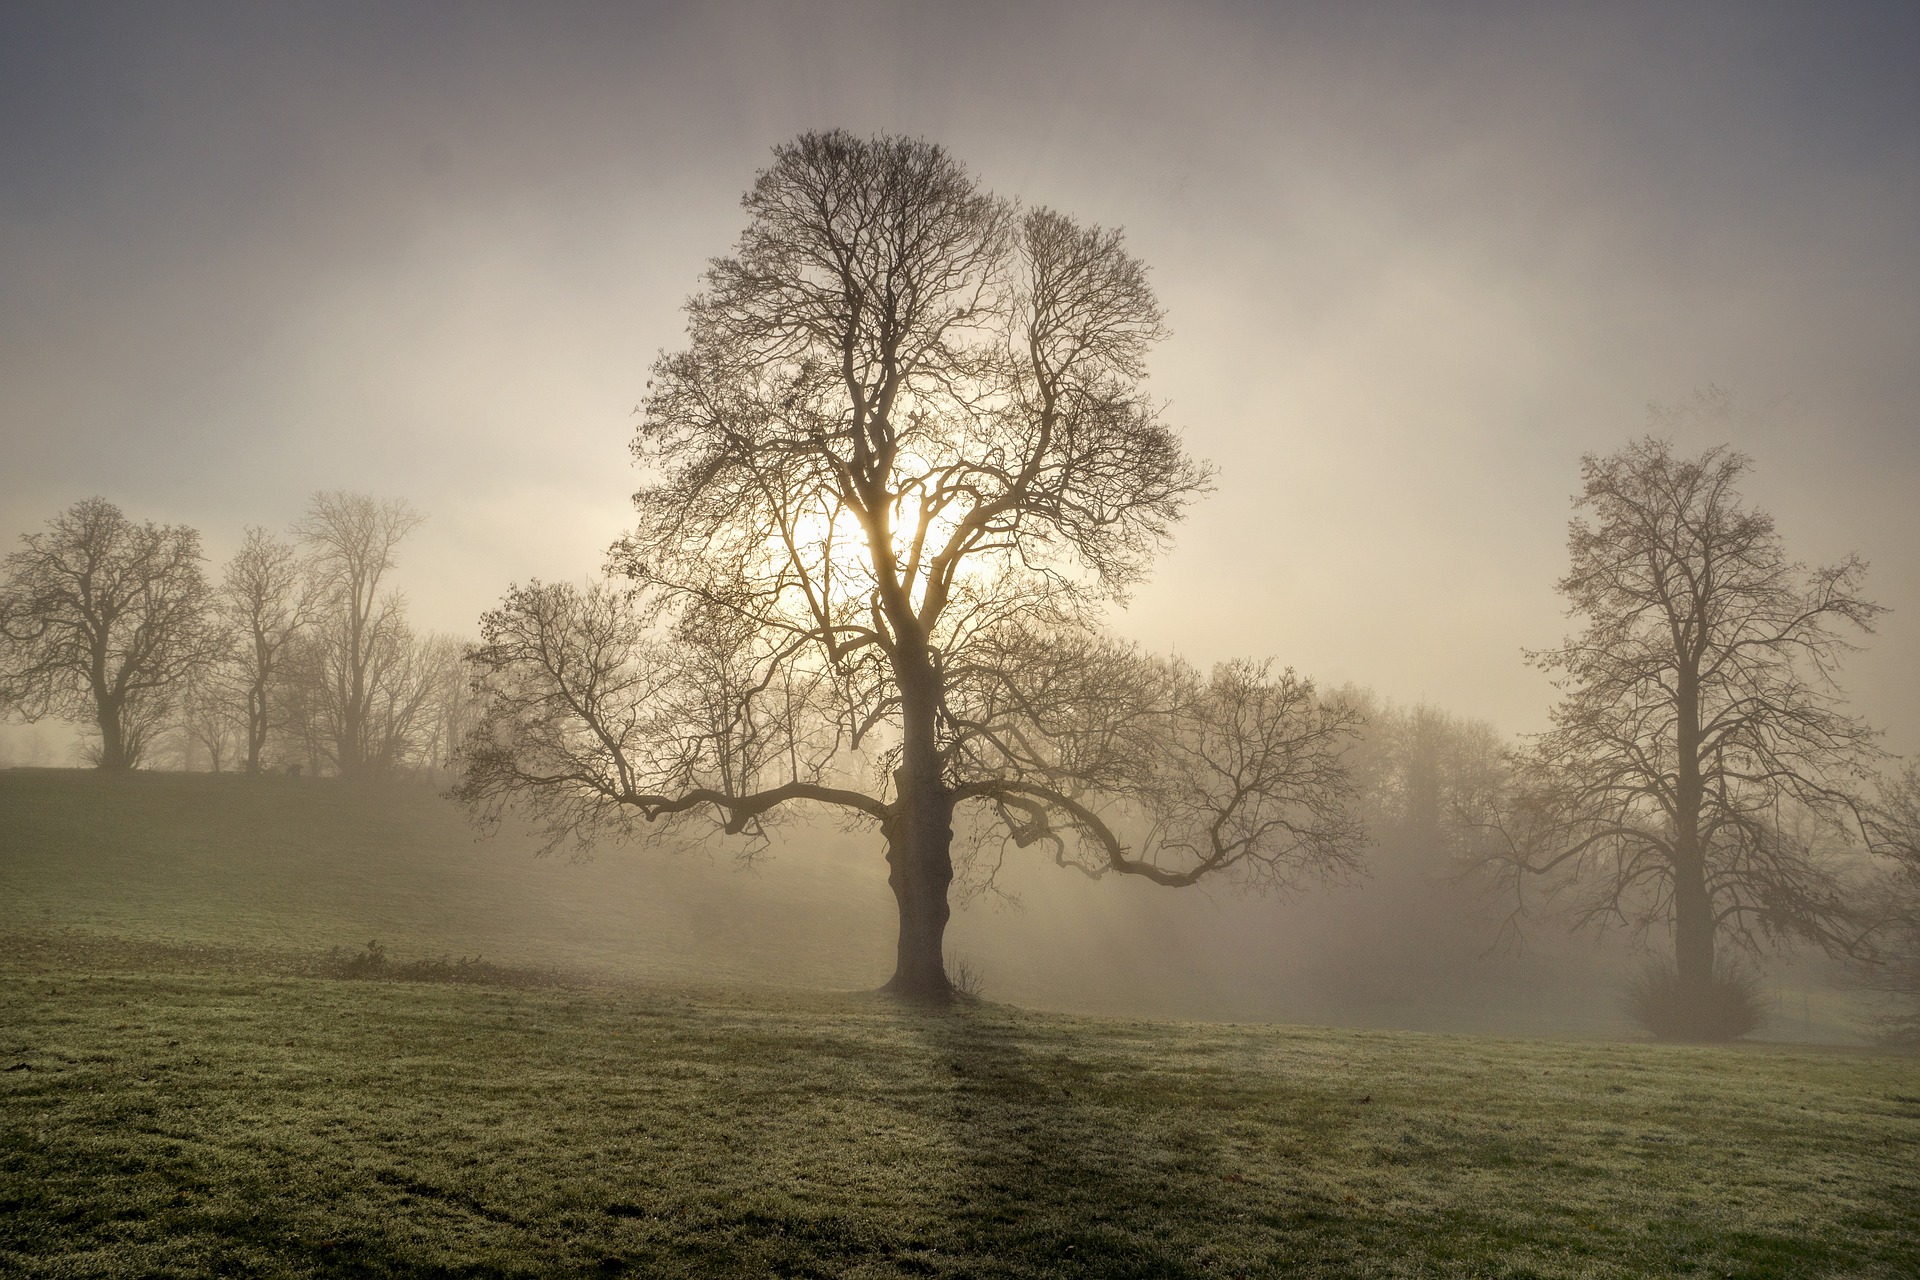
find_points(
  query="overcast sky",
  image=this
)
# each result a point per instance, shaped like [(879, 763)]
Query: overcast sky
[(1417, 261)]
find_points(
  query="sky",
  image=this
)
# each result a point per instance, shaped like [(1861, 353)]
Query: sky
[(1417, 260)]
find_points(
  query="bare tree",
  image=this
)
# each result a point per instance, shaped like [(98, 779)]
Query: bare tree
[(1424, 771), (905, 458), (211, 719), (451, 710), (298, 698), (361, 640), (415, 694), (1893, 906), (266, 599), (1701, 766), (103, 620)]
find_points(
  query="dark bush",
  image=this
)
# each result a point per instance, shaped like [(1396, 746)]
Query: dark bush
[(1729, 1007), (373, 963)]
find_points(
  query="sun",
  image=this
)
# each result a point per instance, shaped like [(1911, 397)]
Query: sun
[(827, 551)]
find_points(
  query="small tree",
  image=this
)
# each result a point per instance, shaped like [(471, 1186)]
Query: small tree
[(417, 690), (103, 620), (266, 599), (1424, 768), (361, 645), (904, 459), (1700, 762), (210, 718), (451, 710)]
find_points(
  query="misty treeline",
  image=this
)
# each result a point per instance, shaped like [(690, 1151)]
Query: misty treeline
[(296, 656)]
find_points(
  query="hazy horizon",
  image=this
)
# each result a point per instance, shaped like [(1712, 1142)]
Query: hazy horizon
[(1416, 262)]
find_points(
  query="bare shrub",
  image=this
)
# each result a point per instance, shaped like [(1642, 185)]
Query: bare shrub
[(965, 979), (1724, 1009)]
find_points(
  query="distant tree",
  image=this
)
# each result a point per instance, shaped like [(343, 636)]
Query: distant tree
[(1701, 767), (1422, 924), (1892, 906), (1428, 769), (904, 459), (103, 620), (452, 709), (361, 646), (266, 599), (300, 702), (418, 691), (210, 720)]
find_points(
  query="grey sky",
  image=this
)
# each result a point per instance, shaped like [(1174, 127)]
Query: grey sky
[(1417, 261)]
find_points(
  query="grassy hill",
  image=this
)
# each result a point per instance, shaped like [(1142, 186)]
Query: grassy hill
[(309, 864)]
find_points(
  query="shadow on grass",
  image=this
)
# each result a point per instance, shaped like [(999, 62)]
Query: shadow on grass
[(1069, 1163)]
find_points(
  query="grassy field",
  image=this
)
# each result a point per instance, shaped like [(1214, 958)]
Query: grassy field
[(190, 1084), (191, 1113)]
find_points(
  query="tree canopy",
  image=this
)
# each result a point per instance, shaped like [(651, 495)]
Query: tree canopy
[(103, 621)]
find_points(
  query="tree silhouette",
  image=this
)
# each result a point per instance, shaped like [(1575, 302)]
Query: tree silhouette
[(904, 460), (103, 620), (1700, 759), (358, 695), (266, 600)]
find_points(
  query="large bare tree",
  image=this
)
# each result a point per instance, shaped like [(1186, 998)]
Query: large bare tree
[(905, 458), (103, 620), (356, 666), (1701, 770)]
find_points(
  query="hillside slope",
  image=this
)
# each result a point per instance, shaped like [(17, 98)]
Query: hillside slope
[(310, 864)]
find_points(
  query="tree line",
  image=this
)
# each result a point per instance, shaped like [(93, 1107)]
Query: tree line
[(299, 657)]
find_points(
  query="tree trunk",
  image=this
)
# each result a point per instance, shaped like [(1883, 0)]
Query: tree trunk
[(113, 742), (1692, 929), (920, 871), (256, 726), (1693, 923), (919, 849)]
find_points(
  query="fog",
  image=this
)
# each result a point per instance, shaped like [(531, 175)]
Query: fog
[(1416, 260)]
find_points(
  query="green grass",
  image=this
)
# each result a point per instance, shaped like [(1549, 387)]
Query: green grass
[(183, 1115)]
